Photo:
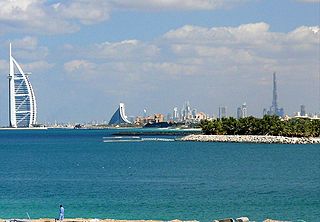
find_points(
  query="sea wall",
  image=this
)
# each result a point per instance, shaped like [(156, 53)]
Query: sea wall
[(252, 139)]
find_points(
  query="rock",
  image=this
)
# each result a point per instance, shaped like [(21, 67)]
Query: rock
[(242, 219), (225, 220), (270, 220), (251, 139)]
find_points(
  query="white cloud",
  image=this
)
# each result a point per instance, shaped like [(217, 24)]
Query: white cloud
[(79, 66), (27, 42), (32, 15), (43, 16), (196, 58), (255, 39), (29, 54), (86, 11), (111, 52), (128, 49), (248, 44), (27, 48), (175, 4), (309, 1), (248, 33), (38, 67), (305, 34)]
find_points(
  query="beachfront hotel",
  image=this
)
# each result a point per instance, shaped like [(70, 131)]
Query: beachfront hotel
[(119, 117), (22, 102)]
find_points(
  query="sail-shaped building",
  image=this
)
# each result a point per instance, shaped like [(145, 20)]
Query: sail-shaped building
[(22, 101), (119, 117)]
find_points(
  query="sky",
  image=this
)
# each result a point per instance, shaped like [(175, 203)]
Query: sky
[(87, 56)]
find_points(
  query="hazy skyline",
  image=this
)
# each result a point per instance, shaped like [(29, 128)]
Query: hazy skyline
[(87, 56)]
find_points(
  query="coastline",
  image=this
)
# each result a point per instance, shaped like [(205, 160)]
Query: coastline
[(240, 219), (88, 220), (251, 139)]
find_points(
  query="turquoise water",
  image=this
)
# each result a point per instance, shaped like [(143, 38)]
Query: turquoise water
[(154, 180)]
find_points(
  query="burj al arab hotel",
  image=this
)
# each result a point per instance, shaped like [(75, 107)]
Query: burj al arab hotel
[(22, 102)]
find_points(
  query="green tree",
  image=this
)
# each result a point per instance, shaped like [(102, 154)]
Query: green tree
[(229, 125), (268, 125)]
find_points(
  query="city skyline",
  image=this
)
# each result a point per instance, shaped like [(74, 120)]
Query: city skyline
[(217, 53)]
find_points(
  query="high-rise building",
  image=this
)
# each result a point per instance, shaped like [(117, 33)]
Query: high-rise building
[(239, 113), (169, 117), (22, 101), (302, 110), (222, 112), (274, 106), (194, 113), (264, 112), (175, 115), (186, 112), (274, 110), (242, 111)]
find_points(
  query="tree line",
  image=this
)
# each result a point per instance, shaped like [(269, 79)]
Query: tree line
[(268, 125)]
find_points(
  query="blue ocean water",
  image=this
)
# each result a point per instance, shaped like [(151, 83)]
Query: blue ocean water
[(41, 169)]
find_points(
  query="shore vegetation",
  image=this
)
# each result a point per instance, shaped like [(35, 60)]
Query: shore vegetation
[(268, 125)]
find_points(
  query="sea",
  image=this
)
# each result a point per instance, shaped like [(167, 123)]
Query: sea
[(154, 179)]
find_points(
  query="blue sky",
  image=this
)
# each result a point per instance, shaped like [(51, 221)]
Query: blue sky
[(86, 56)]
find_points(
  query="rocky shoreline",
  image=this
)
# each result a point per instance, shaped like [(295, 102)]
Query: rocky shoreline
[(251, 139)]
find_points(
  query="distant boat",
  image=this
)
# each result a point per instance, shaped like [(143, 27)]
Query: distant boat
[(113, 139), (158, 125), (159, 139)]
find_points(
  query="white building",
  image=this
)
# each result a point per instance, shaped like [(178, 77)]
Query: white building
[(242, 111), (22, 102)]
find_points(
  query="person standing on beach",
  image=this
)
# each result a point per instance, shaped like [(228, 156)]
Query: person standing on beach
[(61, 214)]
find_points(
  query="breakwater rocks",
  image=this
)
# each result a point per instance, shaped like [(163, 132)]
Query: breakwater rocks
[(252, 139)]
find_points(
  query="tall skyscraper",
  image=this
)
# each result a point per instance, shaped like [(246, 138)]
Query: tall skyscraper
[(239, 113), (175, 115), (274, 106), (242, 111), (144, 113), (222, 112), (274, 110), (303, 110), (22, 101), (186, 112)]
